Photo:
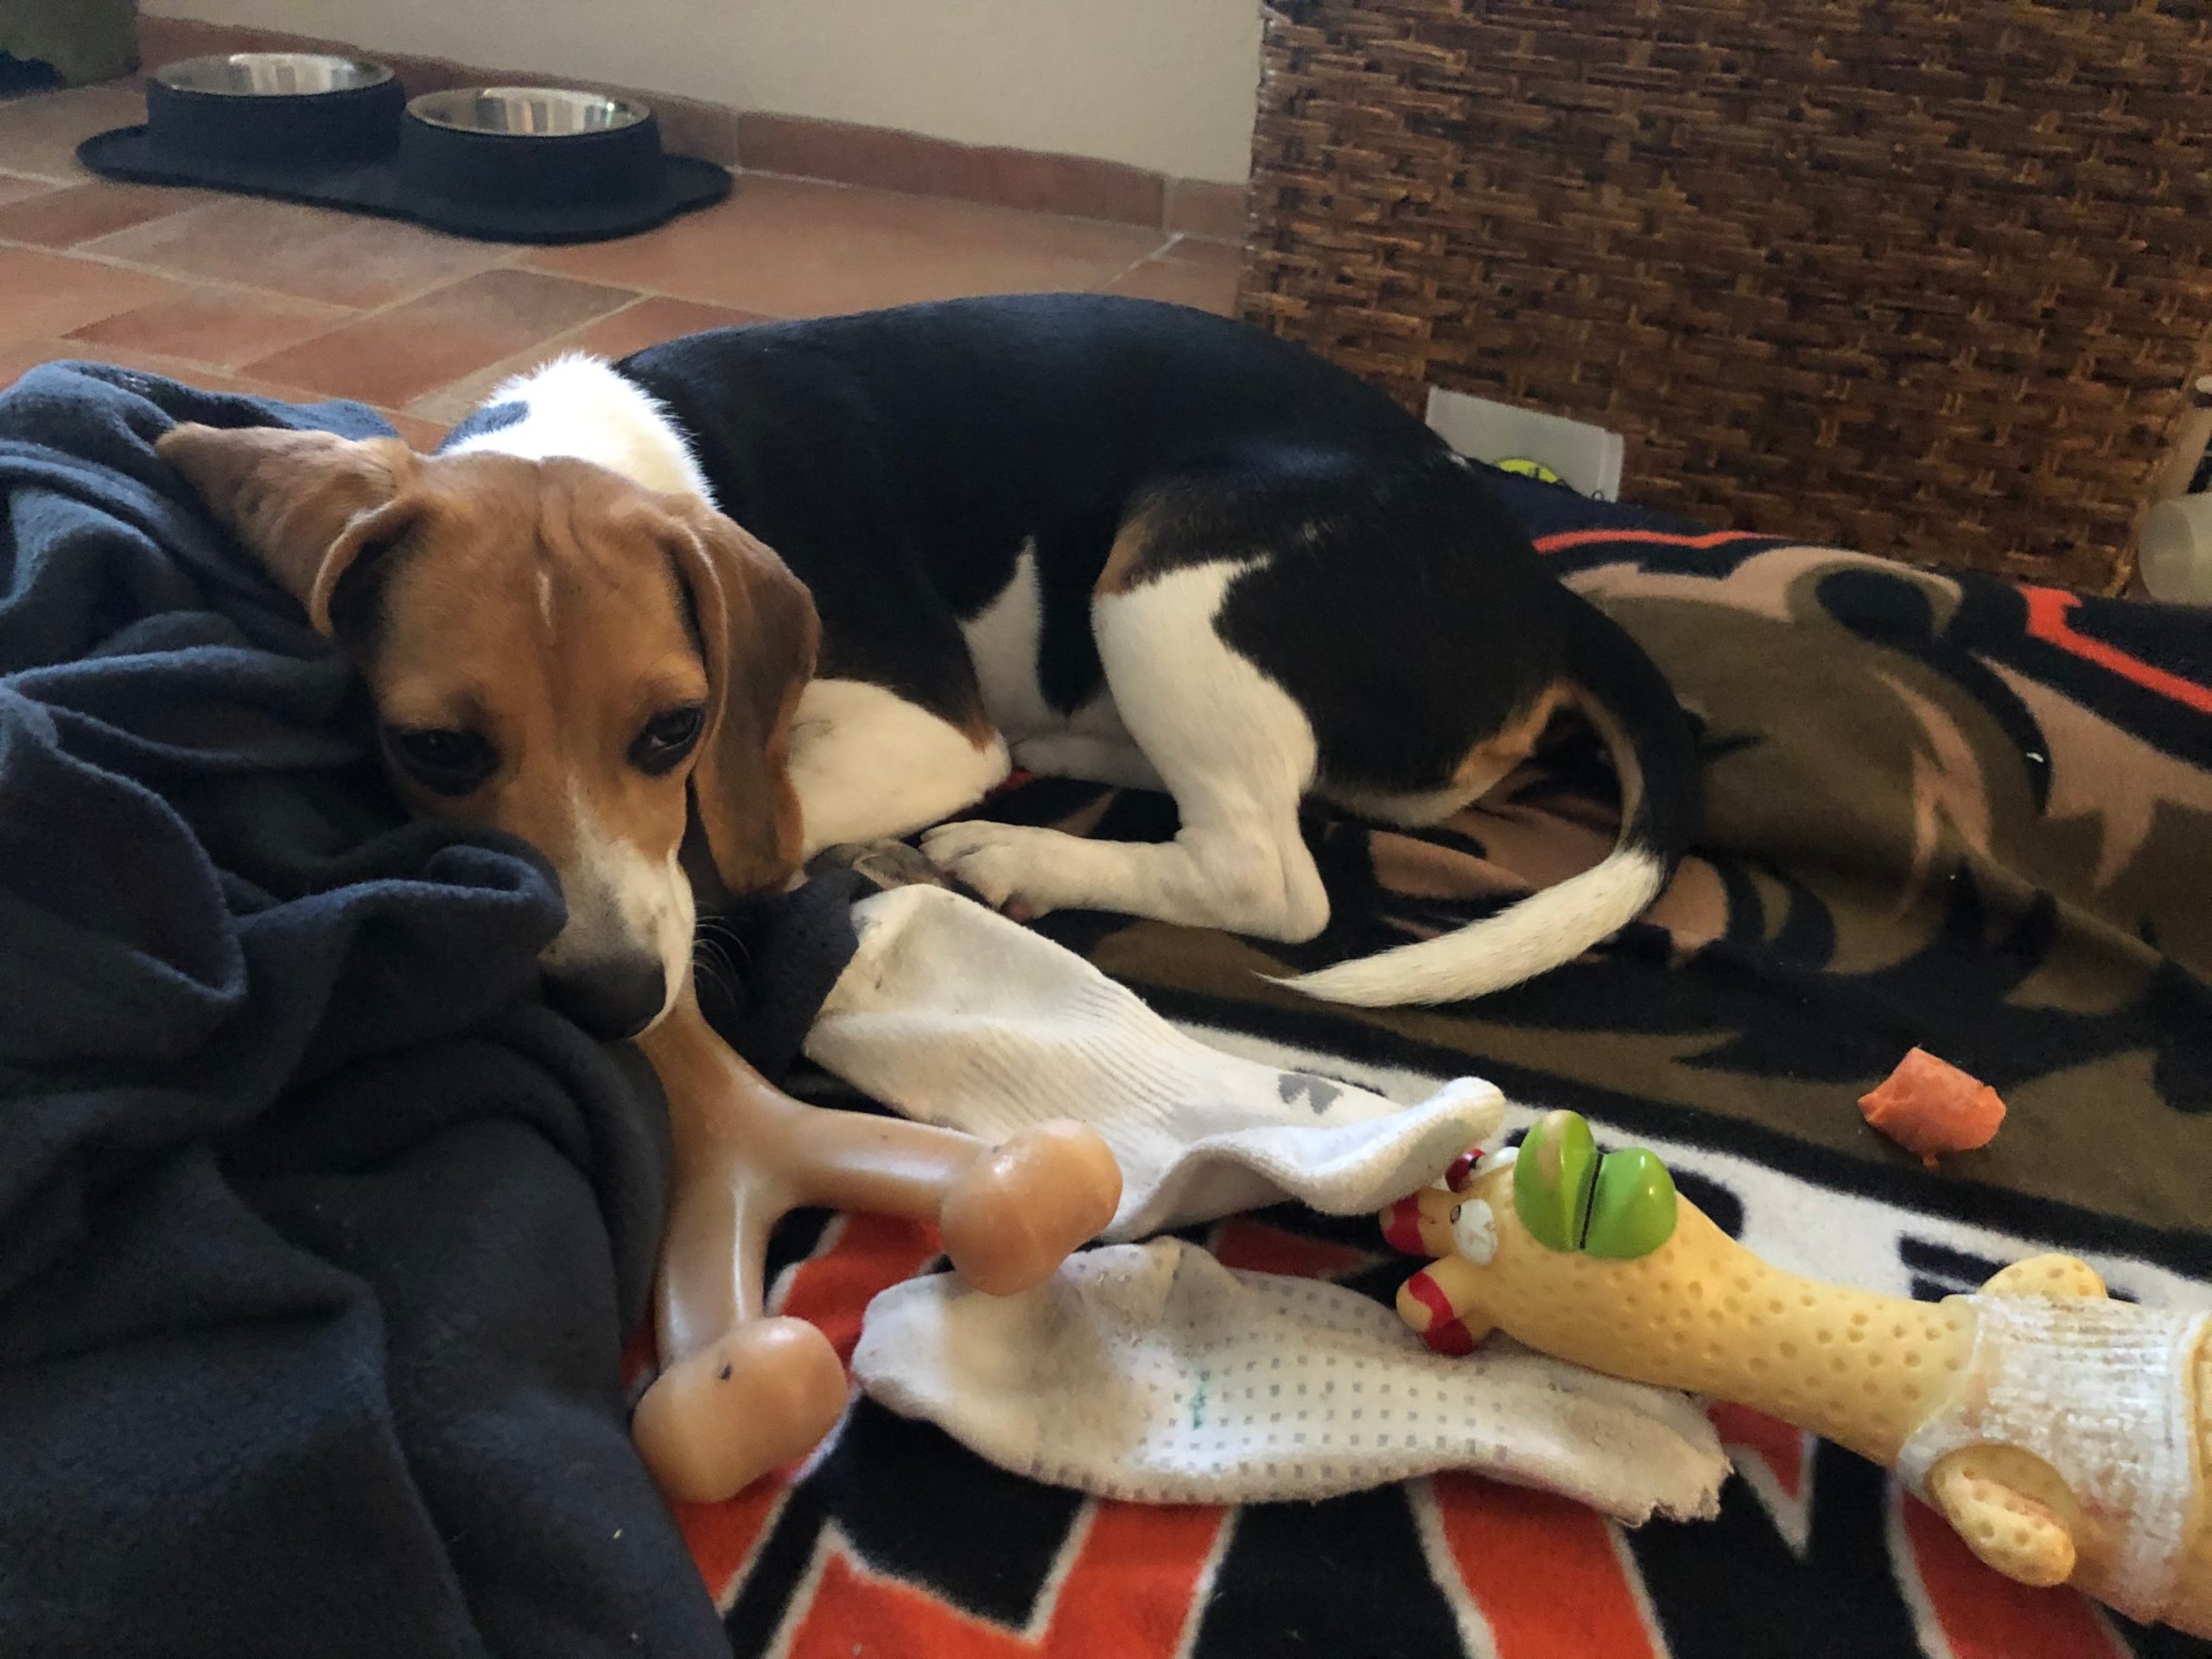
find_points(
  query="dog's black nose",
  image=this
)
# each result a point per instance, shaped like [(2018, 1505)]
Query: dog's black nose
[(610, 999)]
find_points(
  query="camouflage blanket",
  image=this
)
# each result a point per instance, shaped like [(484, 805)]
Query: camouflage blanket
[(1941, 810)]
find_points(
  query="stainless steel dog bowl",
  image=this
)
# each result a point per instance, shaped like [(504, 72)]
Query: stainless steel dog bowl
[(266, 74), (531, 155), (262, 108), (527, 111)]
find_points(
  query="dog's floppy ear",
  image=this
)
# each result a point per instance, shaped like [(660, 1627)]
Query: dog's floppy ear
[(309, 505), (759, 633)]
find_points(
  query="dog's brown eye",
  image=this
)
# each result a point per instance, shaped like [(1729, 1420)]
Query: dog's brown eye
[(443, 759), (666, 739)]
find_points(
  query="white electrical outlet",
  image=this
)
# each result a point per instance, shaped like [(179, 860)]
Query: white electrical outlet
[(1581, 456)]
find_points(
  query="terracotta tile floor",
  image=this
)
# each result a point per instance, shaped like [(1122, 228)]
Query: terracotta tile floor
[(291, 302)]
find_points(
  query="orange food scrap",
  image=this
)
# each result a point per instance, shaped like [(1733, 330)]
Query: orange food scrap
[(1929, 1106)]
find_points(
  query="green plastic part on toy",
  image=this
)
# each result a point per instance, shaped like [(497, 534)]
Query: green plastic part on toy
[(1552, 1178), (1632, 1208)]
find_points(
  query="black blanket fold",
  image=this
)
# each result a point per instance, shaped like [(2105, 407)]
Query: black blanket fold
[(318, 1236)]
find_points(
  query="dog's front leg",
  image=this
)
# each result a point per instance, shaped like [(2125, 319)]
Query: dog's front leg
[(740, 1393)]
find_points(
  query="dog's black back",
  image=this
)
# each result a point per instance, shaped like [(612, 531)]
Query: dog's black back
[(900, 460)]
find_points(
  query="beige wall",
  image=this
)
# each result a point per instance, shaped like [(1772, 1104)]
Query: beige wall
[(1161, 84)]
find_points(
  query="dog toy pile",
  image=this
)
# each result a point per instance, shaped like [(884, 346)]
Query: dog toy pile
[(1054, 1106), (2067, 1438), (1153, 1371), (741, 1391)]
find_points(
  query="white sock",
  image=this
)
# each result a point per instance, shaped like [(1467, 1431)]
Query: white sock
[(950, 1013), (1153, 1373)]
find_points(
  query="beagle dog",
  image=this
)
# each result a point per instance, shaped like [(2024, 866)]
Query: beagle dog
[(557, 653), (1099, 538)]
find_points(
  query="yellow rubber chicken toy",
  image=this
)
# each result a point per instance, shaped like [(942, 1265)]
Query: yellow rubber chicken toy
[(2067, 1437)]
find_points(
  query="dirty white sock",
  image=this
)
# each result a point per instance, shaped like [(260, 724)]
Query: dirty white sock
[(952, 1014), (1155, 1373)]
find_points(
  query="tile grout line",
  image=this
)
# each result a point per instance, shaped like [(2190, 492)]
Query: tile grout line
[(643, 293), (510, 257), (1133, 264), (351, 314), (518, 362), (517, 255), (530, 357), (513, 256), (175, 366), (170, 273), (634, 296)]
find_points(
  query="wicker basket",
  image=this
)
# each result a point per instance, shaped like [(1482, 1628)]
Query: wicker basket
[(1929, 278)]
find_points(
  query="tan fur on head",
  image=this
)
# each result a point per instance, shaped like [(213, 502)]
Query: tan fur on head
[(549, 609), (307, 503), (757, 624)]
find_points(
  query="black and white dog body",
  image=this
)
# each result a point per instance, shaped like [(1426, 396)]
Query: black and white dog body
[(1137, 544)]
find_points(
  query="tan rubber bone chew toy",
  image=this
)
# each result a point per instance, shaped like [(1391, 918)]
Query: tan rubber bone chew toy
[(738, 1393), (2067, 1437)]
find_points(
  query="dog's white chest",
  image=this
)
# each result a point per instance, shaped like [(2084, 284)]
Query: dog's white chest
[(1003, 640)]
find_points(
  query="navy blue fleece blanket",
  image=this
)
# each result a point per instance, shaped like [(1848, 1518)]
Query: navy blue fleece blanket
[(319, 1235)]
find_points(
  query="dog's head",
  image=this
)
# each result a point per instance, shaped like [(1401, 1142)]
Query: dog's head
[(555, 652)]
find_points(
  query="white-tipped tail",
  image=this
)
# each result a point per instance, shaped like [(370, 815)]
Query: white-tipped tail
[(1629, 702), (1546, 928)]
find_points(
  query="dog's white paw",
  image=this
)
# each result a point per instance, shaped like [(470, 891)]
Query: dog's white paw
[(1004, 862)]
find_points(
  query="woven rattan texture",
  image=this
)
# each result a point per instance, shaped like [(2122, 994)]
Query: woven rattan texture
[(1926, 277)]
